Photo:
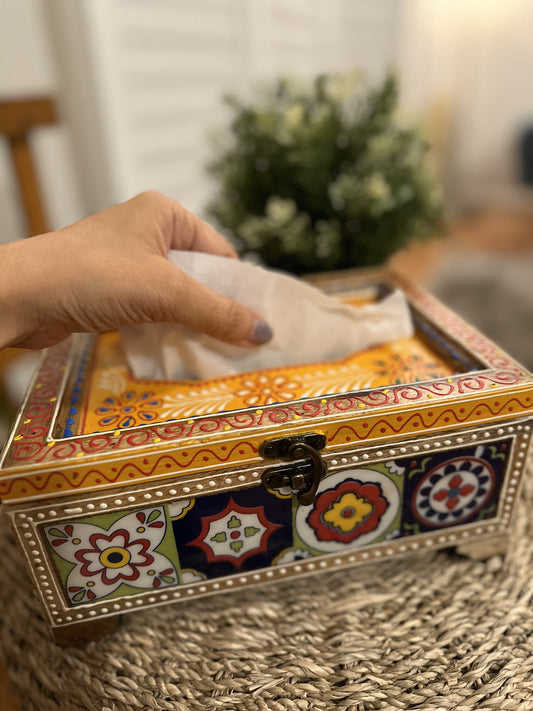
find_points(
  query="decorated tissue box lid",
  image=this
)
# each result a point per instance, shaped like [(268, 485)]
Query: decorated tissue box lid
[(87, 424)]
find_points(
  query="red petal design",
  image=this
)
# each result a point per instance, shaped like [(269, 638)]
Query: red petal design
[(456, 481), (141, 517), (68, 529), (157, 583), (157, 524), (466, 489), (440, 495), (168, 571), (452, 503), (90, 595), (58, 542)]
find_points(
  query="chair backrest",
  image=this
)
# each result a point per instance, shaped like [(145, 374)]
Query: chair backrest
[(17, 119)]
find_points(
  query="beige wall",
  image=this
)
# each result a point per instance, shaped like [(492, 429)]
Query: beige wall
[(27, 68), (474, 60)]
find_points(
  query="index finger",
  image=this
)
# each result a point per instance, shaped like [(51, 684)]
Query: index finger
[(191, 233)]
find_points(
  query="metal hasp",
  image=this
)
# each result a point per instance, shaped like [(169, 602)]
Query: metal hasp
[(305, 469)]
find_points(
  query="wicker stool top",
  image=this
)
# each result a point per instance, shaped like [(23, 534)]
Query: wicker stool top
[(433, 632)]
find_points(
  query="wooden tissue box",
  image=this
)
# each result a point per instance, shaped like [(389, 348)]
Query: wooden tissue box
[(127, 494)]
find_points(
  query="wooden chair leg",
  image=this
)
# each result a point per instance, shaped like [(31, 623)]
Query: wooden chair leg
[(18, 118), (27, 184)]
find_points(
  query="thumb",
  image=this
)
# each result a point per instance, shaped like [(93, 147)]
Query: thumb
[(184, 300)]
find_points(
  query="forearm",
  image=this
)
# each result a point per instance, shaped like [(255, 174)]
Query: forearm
[(33, 281), (29, 276), (11, 295)]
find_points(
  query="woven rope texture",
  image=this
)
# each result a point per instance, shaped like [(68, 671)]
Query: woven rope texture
[(434, 631)]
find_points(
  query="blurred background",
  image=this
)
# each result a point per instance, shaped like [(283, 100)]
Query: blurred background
[(102, 99), (138, 84)]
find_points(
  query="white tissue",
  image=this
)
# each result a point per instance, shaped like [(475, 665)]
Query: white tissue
[(308, 325)]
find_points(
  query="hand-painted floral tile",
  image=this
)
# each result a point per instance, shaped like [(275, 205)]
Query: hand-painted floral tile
[(232, 532), (111, 555), (111, 398), (454, 487), (353, 508)]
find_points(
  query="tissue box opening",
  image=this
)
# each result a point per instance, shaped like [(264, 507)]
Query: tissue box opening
[(106, 396), (318, 328)]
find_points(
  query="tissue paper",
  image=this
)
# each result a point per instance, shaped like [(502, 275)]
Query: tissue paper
[(308, 325)]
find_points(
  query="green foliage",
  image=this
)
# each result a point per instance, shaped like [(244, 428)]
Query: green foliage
[(323, 176)]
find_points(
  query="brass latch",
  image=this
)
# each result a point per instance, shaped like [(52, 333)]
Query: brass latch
[(305, 469)]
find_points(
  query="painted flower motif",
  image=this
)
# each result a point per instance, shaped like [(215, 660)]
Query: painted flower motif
[(348, 511), (128, 409), (337, 520), (114, 557), (339, 379), (452, 494), (405, 368), (454, 491), (105, 559), (234, 534), (267, 389)]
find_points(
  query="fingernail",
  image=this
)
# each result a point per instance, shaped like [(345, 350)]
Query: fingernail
[(261, 332)]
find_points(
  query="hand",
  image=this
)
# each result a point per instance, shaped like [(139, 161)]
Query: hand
[(111, 270)]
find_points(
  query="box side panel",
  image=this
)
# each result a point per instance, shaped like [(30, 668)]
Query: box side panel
[(96, 557)]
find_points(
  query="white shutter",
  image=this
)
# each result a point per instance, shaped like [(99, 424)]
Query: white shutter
[(156, 71)]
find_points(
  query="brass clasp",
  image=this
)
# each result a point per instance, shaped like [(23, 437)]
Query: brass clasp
[(305, 469)]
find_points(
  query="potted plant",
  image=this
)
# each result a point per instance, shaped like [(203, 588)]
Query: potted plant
[(322, 176)]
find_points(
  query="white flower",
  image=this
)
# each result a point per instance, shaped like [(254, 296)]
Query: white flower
[(376, 188), (280, 210), (293, 117), (339, 87)]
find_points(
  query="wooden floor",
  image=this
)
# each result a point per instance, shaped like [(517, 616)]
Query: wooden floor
[(8, 702), (493, 231)]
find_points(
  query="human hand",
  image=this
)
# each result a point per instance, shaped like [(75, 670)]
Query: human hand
[(111, 270)]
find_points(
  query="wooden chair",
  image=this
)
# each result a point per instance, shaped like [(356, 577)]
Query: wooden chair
[(18, 118)]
